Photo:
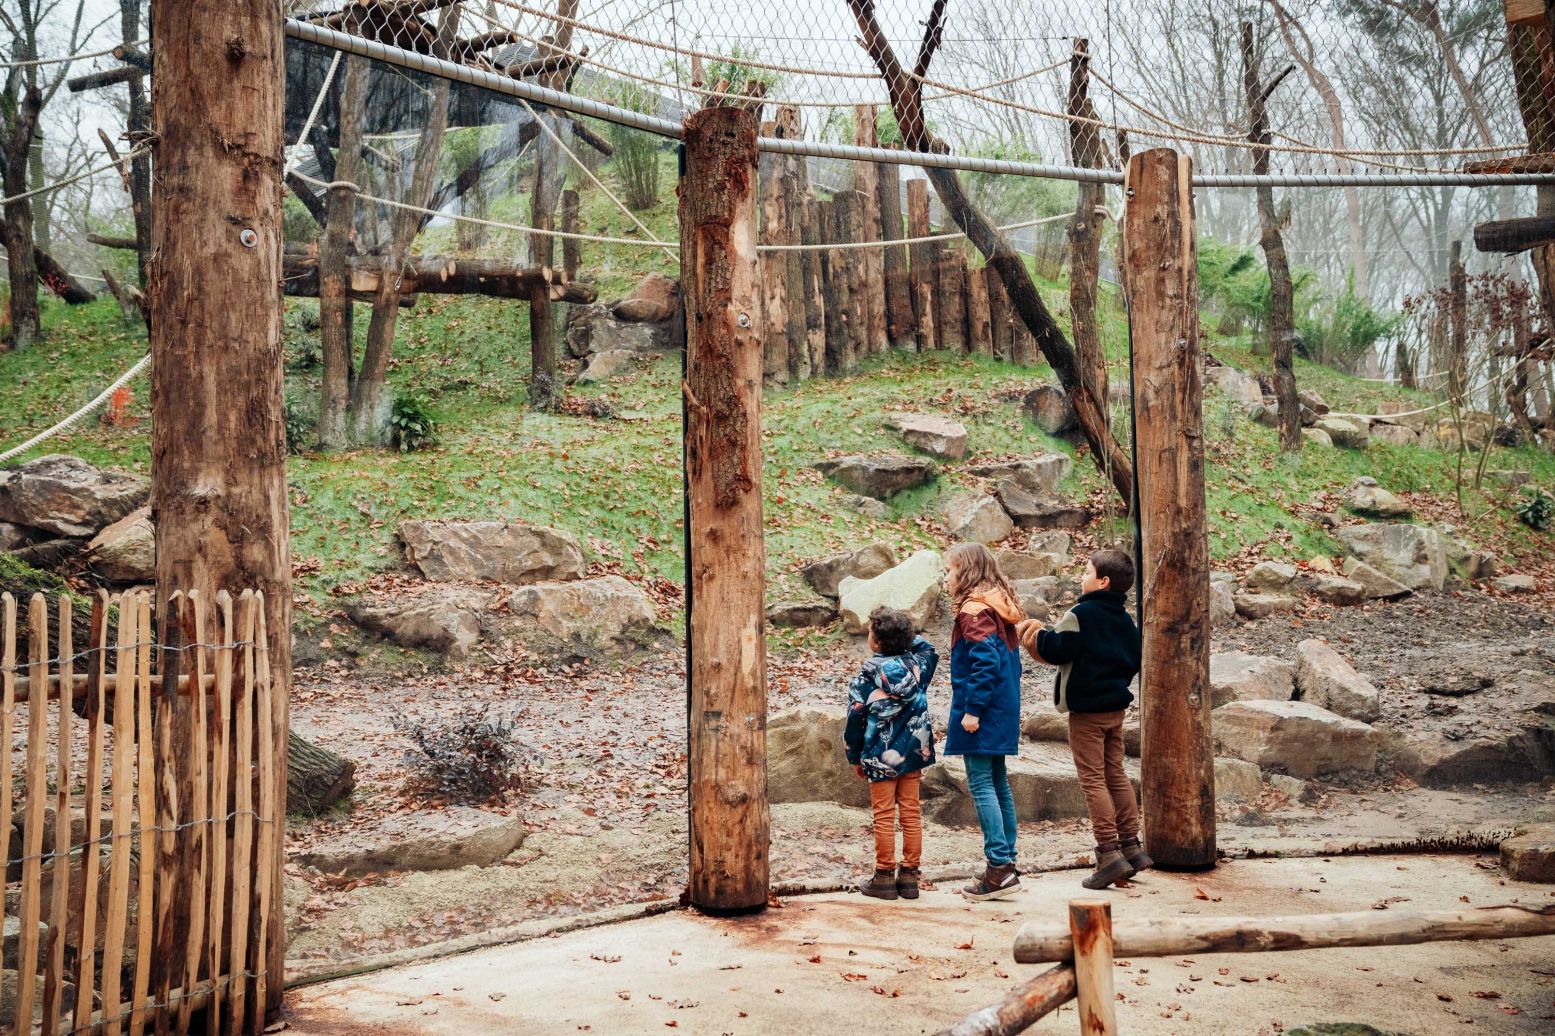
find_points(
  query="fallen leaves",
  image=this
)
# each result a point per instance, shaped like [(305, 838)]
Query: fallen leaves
[(1199, 893)]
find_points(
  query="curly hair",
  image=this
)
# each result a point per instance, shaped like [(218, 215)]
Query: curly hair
[(892, 629)]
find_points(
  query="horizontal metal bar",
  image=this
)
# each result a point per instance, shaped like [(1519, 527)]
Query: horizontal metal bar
[(312, 32)]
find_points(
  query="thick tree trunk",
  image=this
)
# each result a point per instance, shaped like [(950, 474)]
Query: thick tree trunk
[(796, 193), (833, 218), (1087, 150), (921, 271), (1282, 297), (59, 280), (138, 124), (37, 177), (1177, 772), (866, 182), (725, 593), (1458, 340), (998, 315), (335, 308), (950, 300), (218, 438), (1533, 69), (16, 226), (545, 390), (316, 778), (1517, 384)]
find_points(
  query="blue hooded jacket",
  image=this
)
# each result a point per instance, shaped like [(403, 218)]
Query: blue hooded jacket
[(985, 677), (889, 732)]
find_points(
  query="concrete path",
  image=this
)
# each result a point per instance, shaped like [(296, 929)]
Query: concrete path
[(839, 964)]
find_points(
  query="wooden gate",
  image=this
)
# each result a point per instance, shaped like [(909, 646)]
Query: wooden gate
[(145, 842)]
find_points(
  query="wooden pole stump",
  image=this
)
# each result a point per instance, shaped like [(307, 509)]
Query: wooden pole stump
[(725, 569), (1177, 771), (1090, 923), (898, 297), (920, 272), (979, 329)]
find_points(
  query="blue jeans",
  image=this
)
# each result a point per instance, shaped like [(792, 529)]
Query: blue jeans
[(990, 787)]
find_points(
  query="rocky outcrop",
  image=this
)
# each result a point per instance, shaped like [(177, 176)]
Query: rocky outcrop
[(606, 617), (914, 586), (654, 299), (595, 329), (1039, 475), (1271, 576), (1347, 432), (1337, 590), (1237, 780), (1048, 725), (445, 619), (1413, 555), (1365, 497), (933, 434), (1049, 407), (1325, 679), (1222, 605), (504, 552), (878, 477), (125, 552), (1236, 676), (1295, 737), (1261, 606), (65, 496), (1376, 585), (866, 562), (426, 840), (1516, 584), (1034, 512), (1019, 564), (606, 365), (976, 518), (1530, 855), (1235, 384), (806, 758), (801, 614), (1042, 783)]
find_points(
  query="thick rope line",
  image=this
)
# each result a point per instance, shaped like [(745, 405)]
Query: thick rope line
[(318, 103), (70, 421), (68, 58), (46, 188)]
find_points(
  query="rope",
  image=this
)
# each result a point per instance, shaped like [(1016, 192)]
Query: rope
[(68, 58), (46, 188), (952, 236), (318, 103), (68, 422)]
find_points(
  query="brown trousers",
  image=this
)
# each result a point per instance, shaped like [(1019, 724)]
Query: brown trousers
[(1096, 741), (890, 799)]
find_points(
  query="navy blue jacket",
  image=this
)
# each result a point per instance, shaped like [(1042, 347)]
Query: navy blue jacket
[(889, 732), (1096, 647), (985, 678)]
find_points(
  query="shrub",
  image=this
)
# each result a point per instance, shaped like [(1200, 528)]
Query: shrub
[(469, 755), (411, 425), (637, 152), (299, 429), (1340, 332), (1537, 509)]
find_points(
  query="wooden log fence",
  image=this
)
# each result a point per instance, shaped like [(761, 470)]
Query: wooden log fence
[(148, 854)]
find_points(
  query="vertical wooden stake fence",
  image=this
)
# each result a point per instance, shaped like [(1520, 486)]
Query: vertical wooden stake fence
[(921, 271), (1090, 922), (1177, 760), (726, 640)]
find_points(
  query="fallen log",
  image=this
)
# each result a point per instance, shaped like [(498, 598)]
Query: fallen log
[(316, 778), (131, 56), (98, 80), (59, 280), (1021, 1007), (1039, 943), (540, 66), (111, 242), (436, 276)]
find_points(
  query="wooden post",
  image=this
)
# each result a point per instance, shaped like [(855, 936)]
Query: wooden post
[(855, 340), (998, 315), (871, 261), (1090, 923), (773, 266), (898, 294), (839, 289), (725, 571), (218, 439), (814, 284), (950, 303), (572, 248), (795, 194), (1086, 148), (921, 271), (1458, 346), (1177, 763), (979, 330)]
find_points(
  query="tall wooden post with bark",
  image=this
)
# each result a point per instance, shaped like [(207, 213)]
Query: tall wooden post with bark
[(1177, 771), (1458, 342), (544, 390), (1087, 149), (871, 261), (1282, 292), (725, 569), (218, 431), (898, 297), (921, 272)]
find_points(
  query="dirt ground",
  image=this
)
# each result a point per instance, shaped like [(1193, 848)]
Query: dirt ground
[(915, 967), (605, 805)]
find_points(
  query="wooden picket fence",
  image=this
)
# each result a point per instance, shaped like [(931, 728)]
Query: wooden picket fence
[(150, 771)]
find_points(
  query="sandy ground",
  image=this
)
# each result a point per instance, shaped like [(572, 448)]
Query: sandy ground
[(914, 967)]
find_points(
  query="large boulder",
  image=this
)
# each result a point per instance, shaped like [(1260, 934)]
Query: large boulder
[(1350, 433), (878, 477), (445, 619), (1222, 605), (1413, 555), (1039, 475), (1034, 596), (606, 365), (1049, 407), (13, 536), (806, 758), (1530, 855), (654, 299), (68, 497), (1337, 590), (1042, 783), (1271, 576), (1514, 748), (1365, 497), (914, 586), (1261, 606), (1054, 726), (1295, 737), (1516, 583), (976, 518), (866, 562), (595, 329), (933, 434), (1038, 512), (1020, 564), (801, 614), (1473, 427), (1375, 584), (1317, 437), (426, 840), (1237, 780), (1236, 676), (606, 617), (505, 552), (125, 552), (1395, 435), (1235, 384), (1325, 679)]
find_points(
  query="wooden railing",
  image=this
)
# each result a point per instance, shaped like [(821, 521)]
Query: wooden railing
[(148, 809)]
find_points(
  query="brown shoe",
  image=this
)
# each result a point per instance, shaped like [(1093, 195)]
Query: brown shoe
[(907, 882), (1111, 866), (1135, 854), (998, 881), (881, 886)]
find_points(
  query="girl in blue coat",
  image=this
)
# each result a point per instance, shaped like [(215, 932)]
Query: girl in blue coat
[(985, 704)]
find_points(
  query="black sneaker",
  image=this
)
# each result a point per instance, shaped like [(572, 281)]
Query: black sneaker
[(998, 881), (881, 886), (907, 882)]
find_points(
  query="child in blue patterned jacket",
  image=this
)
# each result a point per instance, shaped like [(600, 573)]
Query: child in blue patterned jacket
[(890, 739)]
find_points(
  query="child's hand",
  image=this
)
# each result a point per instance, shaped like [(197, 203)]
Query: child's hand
[(970, 724), (1027, 632), (858, 769)]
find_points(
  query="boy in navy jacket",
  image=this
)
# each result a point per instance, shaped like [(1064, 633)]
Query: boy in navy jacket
[(1096, 648)]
